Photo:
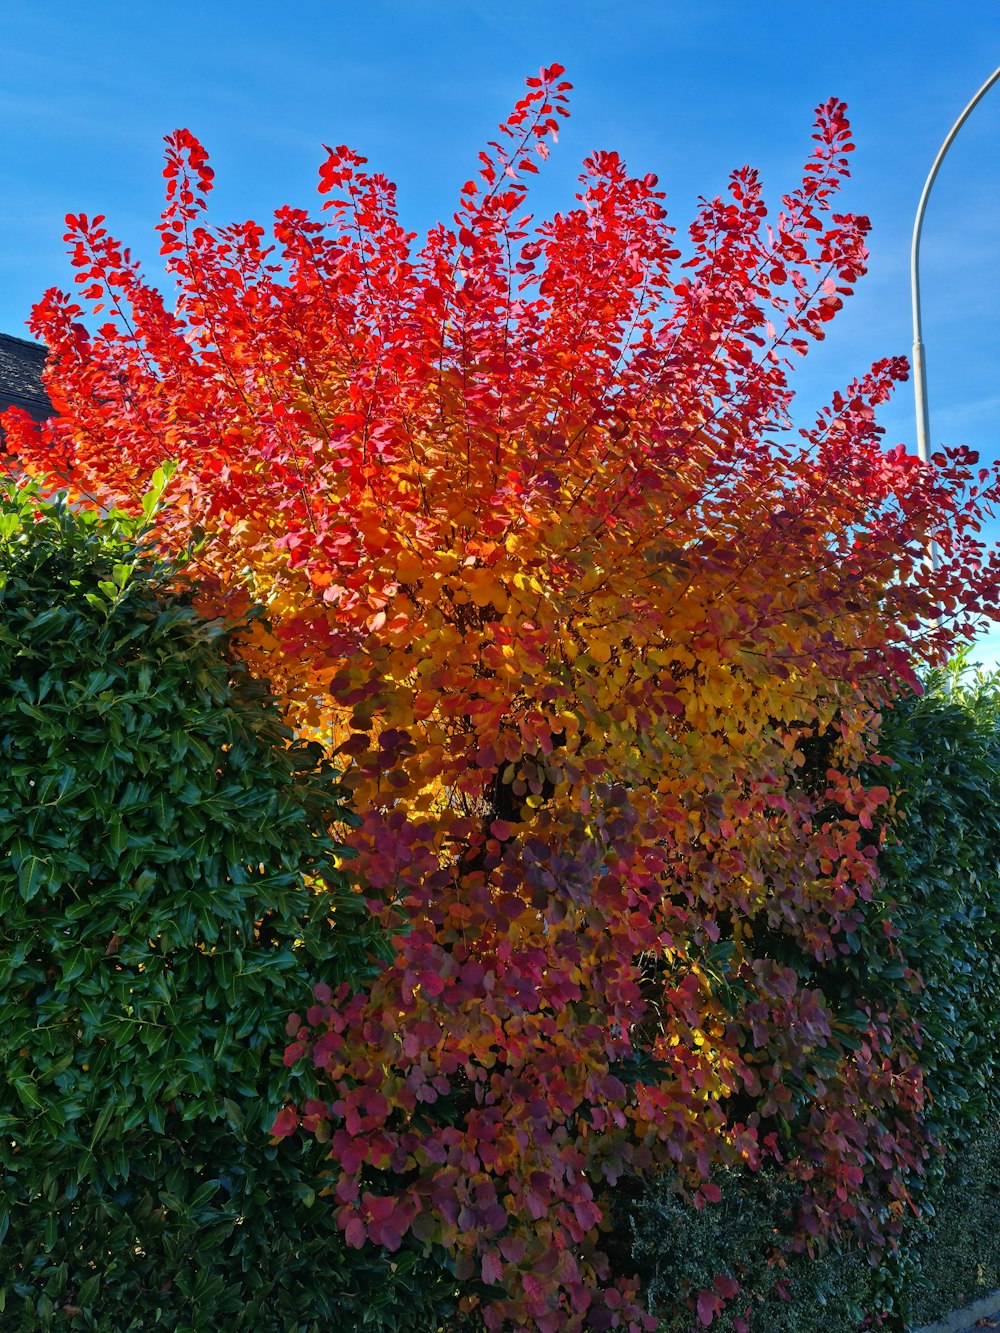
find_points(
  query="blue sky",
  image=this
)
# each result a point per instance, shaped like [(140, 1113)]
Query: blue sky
[(86, 94)]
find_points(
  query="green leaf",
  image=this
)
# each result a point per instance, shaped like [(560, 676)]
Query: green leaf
[(152, 500), (27, 1091), (204, 1193), (31, 875), (88, 1289), (101, 1124), (233, 1112)]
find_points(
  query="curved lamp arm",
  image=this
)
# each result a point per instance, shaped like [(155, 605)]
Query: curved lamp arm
[(919, 365)]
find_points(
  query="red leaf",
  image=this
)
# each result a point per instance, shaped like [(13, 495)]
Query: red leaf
[(492, 1269), (285, 1123), (709, 1306)]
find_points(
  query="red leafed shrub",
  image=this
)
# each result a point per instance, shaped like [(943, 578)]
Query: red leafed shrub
[(602, 644)]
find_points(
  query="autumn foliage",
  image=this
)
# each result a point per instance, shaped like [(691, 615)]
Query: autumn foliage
[(602, 642)]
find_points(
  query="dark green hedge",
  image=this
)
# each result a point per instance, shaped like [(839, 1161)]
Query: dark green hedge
[(168, 893), (942, 885), (942, 882), (941, 892), (679, 1250), (958, 1254)]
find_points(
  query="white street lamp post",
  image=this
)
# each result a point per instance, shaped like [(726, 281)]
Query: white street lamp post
[(919, 366), (919, 363)]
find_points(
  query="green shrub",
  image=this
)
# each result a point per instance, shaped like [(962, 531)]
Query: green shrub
[(680, 1249), (941, 884), (957, 1253), (169, 891), (941, 880)]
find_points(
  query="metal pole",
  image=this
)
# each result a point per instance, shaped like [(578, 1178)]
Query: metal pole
[(919, 364), (919, 361)]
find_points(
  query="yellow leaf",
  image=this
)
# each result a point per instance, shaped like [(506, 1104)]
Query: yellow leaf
[(409, 567), (599, 649)]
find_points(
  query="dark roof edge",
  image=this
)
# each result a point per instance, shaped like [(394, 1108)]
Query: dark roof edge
[(24, 342), (16, 399)]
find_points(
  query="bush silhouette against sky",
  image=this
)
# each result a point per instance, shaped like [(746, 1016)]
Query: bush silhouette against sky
[(688, 93)]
